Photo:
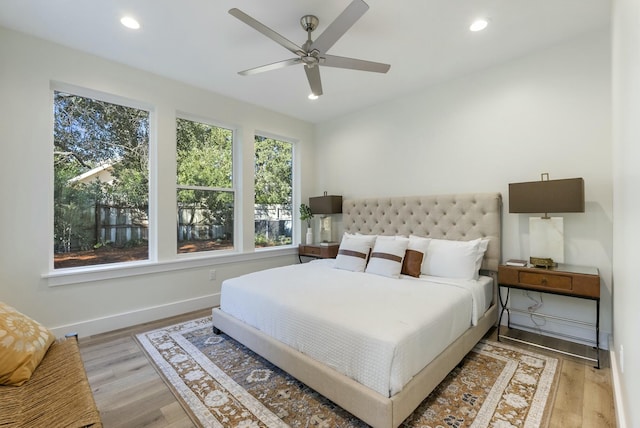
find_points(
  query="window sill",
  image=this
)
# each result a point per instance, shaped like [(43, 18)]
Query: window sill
[(121, 270)]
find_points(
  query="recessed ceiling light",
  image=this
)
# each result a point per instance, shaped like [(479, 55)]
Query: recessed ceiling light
[(479, 25), (130, 22), (312, 96)]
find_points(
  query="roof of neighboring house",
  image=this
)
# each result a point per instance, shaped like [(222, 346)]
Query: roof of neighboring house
[(90, 175)]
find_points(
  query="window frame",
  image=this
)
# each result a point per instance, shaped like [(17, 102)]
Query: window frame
[(235, 189), (152, 176), (295, 190)]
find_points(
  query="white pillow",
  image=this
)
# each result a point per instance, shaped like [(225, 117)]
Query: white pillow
[(362, 235), (386, 257), (388, 237), (482, 248), (353, 253), (453, 259)]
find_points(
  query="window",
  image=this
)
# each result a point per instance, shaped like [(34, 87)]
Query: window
[(101, 182), (205, 192), (273, 192)]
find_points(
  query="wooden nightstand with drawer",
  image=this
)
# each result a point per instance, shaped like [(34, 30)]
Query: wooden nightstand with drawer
[(574, 281), (318, 251)]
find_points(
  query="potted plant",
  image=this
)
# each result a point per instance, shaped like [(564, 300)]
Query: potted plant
[(307, 215)]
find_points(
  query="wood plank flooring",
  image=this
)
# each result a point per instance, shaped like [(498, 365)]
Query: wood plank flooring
[(130, 393), (127, 389)]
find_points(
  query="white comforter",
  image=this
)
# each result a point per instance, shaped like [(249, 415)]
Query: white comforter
[(377, 330)]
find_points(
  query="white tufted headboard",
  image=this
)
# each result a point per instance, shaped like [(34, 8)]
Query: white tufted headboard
[(460, 217)]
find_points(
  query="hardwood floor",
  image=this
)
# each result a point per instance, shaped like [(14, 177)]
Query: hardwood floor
[(127, 389), (585, 394), (130, 393)]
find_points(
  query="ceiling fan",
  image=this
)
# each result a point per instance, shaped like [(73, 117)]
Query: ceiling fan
[(313, 53)]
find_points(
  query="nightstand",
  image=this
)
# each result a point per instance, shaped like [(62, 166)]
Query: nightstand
[(581, 282), (318, 251)]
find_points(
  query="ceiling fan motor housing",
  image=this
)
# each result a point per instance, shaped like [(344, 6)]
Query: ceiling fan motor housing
[(309, 22)]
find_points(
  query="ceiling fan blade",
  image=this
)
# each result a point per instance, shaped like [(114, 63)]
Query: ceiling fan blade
[(340, 25), (354, 64), (313, 76), (269, 67), (282, 41)]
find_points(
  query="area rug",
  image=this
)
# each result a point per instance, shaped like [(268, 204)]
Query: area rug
[(220, 383)]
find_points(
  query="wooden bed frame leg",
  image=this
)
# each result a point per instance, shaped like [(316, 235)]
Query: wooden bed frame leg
[(216, 330)]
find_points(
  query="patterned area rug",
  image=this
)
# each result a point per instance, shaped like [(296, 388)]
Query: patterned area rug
[(220, 383)]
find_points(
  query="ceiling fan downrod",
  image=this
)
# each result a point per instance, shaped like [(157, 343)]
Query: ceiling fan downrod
[(309, 57)]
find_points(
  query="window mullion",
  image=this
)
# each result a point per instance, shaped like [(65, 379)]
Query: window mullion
[(215, 189)]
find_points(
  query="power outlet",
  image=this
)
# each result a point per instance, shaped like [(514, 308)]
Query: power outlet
[(621, 359), (212, 274)]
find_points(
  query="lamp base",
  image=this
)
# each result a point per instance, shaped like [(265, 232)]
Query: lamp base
[(542, 262), (325, 229), (546, 238)]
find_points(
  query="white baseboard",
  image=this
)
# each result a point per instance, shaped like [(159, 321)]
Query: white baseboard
[(618, 402), (128, 319)]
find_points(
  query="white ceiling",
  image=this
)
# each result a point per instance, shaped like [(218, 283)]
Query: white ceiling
[(198, 42)]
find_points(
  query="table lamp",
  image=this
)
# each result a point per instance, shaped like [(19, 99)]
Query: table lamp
[(325, 206), (546, 234)]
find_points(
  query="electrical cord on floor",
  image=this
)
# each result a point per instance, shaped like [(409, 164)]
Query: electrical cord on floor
[(538, 320), (536, 304)]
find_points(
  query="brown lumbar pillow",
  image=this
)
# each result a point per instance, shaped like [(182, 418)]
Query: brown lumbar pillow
[(412, 263)]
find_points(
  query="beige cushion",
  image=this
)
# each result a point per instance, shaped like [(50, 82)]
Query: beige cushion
[(23, 343)]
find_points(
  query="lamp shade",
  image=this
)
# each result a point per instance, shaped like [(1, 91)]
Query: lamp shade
[(327, 204), (550, 196)]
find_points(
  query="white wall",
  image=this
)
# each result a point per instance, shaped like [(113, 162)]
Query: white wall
[(27, 67), (546, 112), (626, 230)]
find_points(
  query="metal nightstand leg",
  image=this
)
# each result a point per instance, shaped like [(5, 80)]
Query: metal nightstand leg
[(504, 308)]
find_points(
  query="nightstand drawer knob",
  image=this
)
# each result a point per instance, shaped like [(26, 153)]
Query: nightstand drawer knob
[(543, 281)]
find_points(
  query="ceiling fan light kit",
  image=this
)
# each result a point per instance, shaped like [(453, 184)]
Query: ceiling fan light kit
[(313, 53)]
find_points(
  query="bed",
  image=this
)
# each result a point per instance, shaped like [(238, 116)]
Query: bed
[(380, 394)]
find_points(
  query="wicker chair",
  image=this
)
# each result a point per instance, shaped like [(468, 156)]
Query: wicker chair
[(57, 395)]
